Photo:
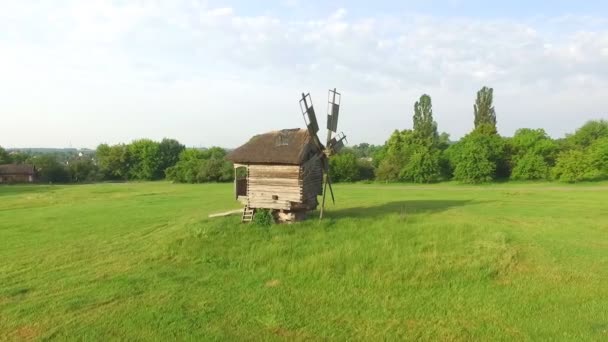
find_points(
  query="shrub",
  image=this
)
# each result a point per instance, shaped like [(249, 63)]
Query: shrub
[(530, 167), (195, 166), (344, 167), (423, 166), (572, 166), (366, 169), (263, 218), (478, 157)]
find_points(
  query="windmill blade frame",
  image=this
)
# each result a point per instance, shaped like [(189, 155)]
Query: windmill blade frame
[(337, 143), (333, 109), (310, 119)]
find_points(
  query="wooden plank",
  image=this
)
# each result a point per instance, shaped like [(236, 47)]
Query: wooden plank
[(273, 167), (284, 205), (275, 181), (227, 213), (284, 175)]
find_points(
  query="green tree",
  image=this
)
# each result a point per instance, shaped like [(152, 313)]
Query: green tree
[(572, 166), (196, 166), (530, 167), (423, 166), (113, 161), (477, 157), (20, 157), (396, 154), (484, 108), (344, 167), (366, 169), (145, 160), (533, 153), (49, 169), (598, 156), (588, 133), (83, 170), (423, 158), (187, 167), (425, 128), (169, 150), (5, 158)]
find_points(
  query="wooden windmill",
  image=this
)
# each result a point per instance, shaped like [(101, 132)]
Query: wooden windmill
[(286, 170)]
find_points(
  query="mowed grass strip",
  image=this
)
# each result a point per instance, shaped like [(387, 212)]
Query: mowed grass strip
[(142, 261)]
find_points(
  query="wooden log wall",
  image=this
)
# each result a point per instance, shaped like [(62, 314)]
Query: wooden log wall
[(281, 181), (312, 177)]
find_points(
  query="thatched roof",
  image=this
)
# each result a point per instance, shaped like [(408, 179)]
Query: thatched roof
[(288, 146), (17, 169)]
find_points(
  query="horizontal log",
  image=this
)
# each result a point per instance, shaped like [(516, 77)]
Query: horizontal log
[(274, 188), (284, 175), (274, 169), (280, 198), (276, 182), (285, 205)]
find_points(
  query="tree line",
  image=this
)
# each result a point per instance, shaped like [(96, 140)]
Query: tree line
[(140, 160), (418, 155), (422, 155)]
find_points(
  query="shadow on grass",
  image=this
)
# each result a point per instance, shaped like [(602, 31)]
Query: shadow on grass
[(397, 207)]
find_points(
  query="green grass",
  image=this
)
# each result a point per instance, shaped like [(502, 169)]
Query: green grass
[(142, 261)]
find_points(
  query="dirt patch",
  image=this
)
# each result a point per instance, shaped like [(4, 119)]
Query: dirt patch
[(26, 333)]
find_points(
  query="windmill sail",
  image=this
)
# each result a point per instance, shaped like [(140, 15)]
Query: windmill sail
[(333, 144), (308, 112), (336, 143), (333, 109)]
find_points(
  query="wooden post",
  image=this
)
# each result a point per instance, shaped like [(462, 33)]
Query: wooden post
[(323, 202)]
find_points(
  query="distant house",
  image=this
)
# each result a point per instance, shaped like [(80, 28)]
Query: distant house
[(17, 173)]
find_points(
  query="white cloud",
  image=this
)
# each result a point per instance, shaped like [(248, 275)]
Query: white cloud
[(142, 60)]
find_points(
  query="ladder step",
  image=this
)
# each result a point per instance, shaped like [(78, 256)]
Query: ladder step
[(247, 215)]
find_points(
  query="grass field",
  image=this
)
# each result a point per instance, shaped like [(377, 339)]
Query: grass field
[(449, 262)]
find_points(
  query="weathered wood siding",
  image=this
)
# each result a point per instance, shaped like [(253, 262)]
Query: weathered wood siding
[(312, 177), (274, 186)]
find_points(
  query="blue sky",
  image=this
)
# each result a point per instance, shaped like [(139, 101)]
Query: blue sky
[(216, 72), (468, 8)]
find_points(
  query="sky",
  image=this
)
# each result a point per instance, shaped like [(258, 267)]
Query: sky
[(81, 73)]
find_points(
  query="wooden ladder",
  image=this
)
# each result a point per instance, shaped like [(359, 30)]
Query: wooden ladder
[(247, 214)]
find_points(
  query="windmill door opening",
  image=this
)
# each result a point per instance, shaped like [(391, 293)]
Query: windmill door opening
[(240, 181)]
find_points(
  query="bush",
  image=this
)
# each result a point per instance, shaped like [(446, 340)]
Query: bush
[(598, 157), (195, 166), (478, 157), (530, 167), (263, 218), (366, 169), (586, 164), (533, 154), (423, 166), (344, 167), (389, 169), (572, 166)]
